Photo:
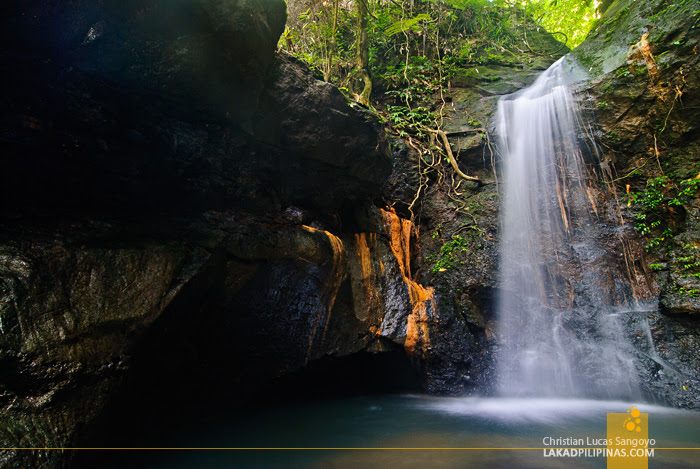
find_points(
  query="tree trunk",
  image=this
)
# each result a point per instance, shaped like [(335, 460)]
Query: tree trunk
[(329, 67), (363, 51)]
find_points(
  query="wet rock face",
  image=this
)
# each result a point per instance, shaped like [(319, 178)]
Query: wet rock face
[(70, 313), (105, 325), (200, 321), (646, 100), (329, 151), (59, 290), (669, 367)]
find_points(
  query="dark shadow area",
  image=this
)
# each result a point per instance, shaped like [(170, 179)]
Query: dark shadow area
[(358, 374), (160, 406)]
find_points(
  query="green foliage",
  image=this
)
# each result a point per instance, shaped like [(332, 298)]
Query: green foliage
[(442, 33), (404, 25), (312, 36), (409, 82), (687, 190), (690, 267), (574, 18), (651, 197), (463, 4), (451, 254), (654, 204), (654, 201), (470, 35), (414, 47), (406, 120), (691, 292)]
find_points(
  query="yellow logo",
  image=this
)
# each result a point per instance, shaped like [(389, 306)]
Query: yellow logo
[(628, 440), (632, 424)]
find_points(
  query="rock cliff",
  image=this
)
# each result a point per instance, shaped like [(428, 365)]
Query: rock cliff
[(644, 98), (188, 217)]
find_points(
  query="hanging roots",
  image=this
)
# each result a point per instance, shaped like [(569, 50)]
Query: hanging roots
[(450, 156)]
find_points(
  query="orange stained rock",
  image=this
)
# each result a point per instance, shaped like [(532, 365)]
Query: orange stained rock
[(362, 244), (642, 52), (365, 255), (417, 324), (417, 328), (399, 231), (331, 284), (592, 199), (412, 334)]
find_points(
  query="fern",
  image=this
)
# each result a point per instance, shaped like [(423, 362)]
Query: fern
[(403, 25)]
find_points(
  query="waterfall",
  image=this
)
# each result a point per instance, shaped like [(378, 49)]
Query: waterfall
[(559, 335)]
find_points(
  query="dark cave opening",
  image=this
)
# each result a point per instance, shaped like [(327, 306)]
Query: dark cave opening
[(158, 404)]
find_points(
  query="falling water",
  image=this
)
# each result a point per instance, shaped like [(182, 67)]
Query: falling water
[(559, 334)]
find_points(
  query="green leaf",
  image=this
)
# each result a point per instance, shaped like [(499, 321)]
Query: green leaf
[(402, 25)]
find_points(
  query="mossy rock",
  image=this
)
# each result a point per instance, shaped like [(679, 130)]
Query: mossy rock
[(464, 77), (669, 25)]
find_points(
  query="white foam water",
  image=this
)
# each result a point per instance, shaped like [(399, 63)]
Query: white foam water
[(550, 411)]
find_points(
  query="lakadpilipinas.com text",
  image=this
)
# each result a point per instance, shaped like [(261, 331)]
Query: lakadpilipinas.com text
[(598, 447)]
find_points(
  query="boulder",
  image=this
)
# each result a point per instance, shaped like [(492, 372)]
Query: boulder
[(122, 107), (171, 184)]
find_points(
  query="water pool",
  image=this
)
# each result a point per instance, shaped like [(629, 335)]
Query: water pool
[(408, 431)]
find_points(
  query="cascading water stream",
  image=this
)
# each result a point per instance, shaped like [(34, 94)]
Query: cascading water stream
[(559, 336)]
